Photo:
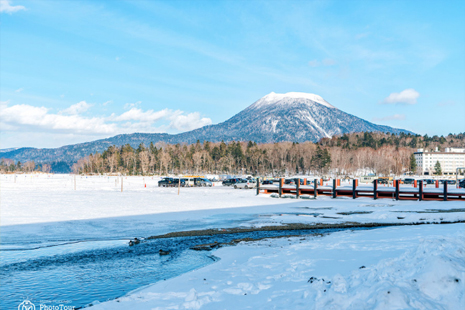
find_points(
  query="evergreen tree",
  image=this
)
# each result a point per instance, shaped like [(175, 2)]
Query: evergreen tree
[(437, 168), (413, 163)]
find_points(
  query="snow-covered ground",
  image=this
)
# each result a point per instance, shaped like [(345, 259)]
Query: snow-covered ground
[(273, 273), (415, 267)]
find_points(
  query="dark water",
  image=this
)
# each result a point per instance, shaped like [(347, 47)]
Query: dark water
[(80, 273)]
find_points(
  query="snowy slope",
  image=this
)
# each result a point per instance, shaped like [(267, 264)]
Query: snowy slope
[(294, 116)]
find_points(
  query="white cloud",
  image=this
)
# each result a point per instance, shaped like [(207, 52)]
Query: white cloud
[(6, 7), (19, 90), (107, 102), (27, 118), (77, 108), (131, 105), (190, 121), (395, 117), (24, 116), (136, 114), (407, 96)]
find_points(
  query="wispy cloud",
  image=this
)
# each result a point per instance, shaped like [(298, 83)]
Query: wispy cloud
[(77, 108), (131, 105), (6, 7), (314, 63), (325, 62), (407, 96), (328, 62), (19, 90), (395, 117), (361, 35), (447, 103)]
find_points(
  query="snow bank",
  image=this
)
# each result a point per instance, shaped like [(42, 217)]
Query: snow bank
[(388, 268)]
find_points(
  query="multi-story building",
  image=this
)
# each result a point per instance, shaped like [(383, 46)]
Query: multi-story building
[(450, 160)]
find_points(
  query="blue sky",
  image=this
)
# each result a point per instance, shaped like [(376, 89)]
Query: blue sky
[(76, 71)]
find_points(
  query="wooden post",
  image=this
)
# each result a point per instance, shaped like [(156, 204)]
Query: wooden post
[(415, 184), (305, 181), (179, 185), (280, 187), (338, 182), (445, 190), (397, 189), (315, 188), (74, 182), (420, 191), (437, 183), (297, 188), (321, 182), (354, 188), (375, 189), (258, 186), (334, 188)]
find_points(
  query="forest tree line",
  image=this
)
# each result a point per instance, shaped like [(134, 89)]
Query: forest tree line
[(346, 154)]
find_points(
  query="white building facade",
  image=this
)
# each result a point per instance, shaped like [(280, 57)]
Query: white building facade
[(450, 160)]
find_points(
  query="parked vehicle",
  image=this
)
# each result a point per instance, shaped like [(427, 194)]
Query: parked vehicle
[(462, 183), (176, 182), (230, 182), (243, 183), (292, 181), (384, 180), (165, 182), (368, 178), (202, 182), (451, 182), (408, 181), (429, 181), (267, 182), (188, 182)]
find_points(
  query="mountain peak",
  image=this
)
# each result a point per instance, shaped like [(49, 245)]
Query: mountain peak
[(274, 97)]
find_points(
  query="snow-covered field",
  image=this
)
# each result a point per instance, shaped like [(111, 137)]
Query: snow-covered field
[(405, 266)]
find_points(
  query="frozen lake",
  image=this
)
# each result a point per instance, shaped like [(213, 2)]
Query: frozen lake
[(61, 244)]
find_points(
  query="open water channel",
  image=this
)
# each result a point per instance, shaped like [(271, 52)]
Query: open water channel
[(81, 273)]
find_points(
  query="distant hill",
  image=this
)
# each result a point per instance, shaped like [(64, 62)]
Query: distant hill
[(295, 117)]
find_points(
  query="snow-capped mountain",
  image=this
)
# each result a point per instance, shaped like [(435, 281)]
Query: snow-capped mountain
[(295, 117)]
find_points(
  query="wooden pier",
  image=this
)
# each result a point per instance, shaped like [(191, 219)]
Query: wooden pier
[(375, 191)]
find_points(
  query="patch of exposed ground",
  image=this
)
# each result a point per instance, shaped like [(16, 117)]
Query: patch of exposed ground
[(291, 226)]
